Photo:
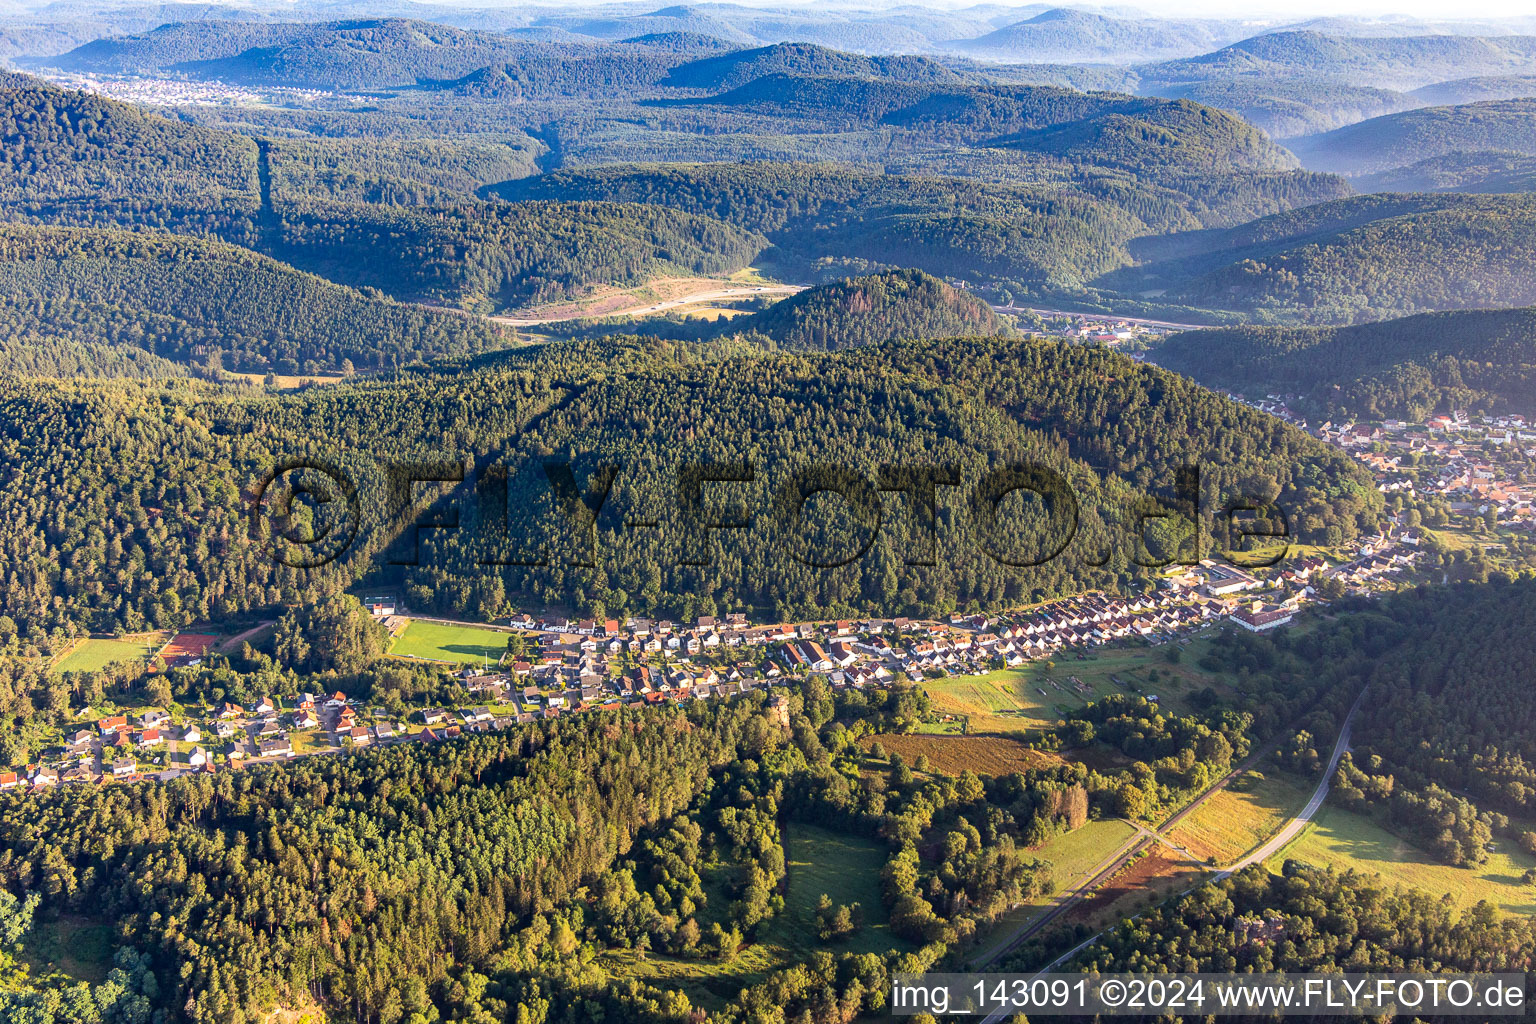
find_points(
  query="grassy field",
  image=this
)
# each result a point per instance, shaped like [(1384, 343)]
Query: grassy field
[(93, 655), (288, 382), (989, 703), (1249, 810), (1343, 840), (985, 755), (433, 641), (1073, 858), (1011, 700), (846, 868)]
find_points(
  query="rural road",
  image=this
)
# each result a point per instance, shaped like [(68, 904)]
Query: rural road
[(1145, 837), (1295, 825), (1258, 855), (751, 291)]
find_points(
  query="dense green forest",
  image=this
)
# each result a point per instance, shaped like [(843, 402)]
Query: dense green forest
[(1458, 172), (830, 220), (58, 147), (1366, 926), (486, 256), (1483, 360), (729, 70), (171, 546), (70, 291), (1447, 748), (79, 160), (869, 310), (1290, 107), (1350, 260)]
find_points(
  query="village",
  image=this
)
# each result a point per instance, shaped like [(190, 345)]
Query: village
[(1479, 467), (554, 666)]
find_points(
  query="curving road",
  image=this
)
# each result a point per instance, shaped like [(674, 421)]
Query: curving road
[(1146, 837), (1262, 852), (1293, 827)]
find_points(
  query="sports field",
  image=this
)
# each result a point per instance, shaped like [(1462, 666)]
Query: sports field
[(92, 655), (434, 641)]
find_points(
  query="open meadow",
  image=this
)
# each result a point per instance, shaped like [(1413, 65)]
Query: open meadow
[(1241, 815), (1036, 696), (1345, 840), (845, 867)]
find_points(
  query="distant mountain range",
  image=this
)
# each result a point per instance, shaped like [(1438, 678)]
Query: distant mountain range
[(1292, 82), (1061, 34)]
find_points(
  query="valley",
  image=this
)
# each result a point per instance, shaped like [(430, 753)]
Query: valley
[(686, 515)]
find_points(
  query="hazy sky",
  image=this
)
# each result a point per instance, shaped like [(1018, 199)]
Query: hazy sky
[(1429, 9)]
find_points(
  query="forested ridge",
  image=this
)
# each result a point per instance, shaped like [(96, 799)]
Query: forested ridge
[(1399, 139), (1447, 747), (1367, 926), (1408, 368), (1357, 259), (135, 295), (168, 547), (828, 219), (78, 160)]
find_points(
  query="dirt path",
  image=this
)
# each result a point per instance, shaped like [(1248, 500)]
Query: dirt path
[(235, 641)]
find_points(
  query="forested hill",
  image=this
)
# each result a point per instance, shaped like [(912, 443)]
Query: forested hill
[(1295, 84), (1350, 260), (868, 310), (365, 54), (729, 70), (1458, 172), (1408, 930), (1180, 133), (830, 220), (1116, 430), (61, 146), (1396, 140), (1396, 62), (1084, 36), (70, 296), (91, 162), (1154, 136), (843, 219), (1477, 359)]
